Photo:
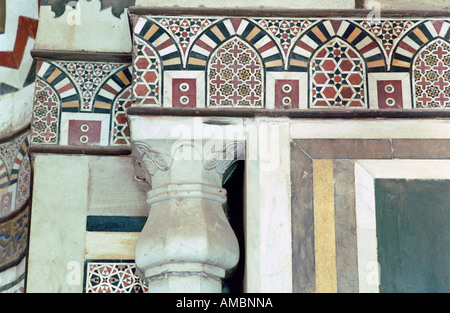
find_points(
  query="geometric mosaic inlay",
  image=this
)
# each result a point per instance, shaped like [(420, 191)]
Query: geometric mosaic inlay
[(113, 277), (286, 31), (44, 127), (337, 76), (257, 61), (432, 76), (88, 76), (146, 75), (235, 76)]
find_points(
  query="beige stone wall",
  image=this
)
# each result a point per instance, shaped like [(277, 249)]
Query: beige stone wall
[(409, 4), (85, 186), (83, 28)]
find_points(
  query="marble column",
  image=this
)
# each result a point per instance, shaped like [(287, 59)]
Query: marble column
[(187, 243)]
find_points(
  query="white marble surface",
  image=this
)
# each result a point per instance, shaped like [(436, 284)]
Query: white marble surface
[(110, 196), (83, 29), (16, 109), (267, 208), (58, 223), (370, 128)]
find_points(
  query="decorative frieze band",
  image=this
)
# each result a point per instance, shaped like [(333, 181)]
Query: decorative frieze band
[(212, 60), (277, 63)]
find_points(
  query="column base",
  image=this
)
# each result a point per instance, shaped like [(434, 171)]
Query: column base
[(184, 278)]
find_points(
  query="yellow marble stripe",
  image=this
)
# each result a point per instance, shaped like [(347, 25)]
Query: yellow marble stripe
[(324, 227), (400, 63), (218, 33), (298, 63), (102, 105), (173, 61), (354, 34), (4, 180), (319, 34), (110, 245), (274, 63), (376, 63), (421, 35), (123, 78), (24, 147), (53, 75), (196, 61), (151, 31), (253, 33)]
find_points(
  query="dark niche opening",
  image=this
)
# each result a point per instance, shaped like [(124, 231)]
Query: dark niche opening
[(234, 210)]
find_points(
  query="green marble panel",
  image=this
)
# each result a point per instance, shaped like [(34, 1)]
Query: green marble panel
[(413, 235)]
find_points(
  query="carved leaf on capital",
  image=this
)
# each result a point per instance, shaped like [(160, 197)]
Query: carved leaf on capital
[(222, 159), (149, 160)]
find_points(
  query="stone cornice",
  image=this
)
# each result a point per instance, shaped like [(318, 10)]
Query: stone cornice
[(265, 12), (289, 113)]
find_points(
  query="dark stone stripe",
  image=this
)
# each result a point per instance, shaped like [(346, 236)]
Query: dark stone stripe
[(421, 148), (347, 148), (115, 223), (291, 113), (295, 13), (303, 258), (345, 226)]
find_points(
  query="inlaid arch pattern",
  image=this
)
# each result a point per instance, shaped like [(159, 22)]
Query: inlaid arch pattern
[(235, 76), (415, 39), (391, 63), (247, 30), (349, 32), (80, 99), (158, 37)]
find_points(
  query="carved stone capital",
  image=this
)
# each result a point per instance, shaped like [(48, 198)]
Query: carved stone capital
[(214, 155), (187, 243)]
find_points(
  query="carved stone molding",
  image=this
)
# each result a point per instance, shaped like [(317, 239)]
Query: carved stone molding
[(215, 155)]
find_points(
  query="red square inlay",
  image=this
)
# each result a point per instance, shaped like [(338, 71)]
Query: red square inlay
[(390, 94), (286, 93), (84, 133), (184, 93)]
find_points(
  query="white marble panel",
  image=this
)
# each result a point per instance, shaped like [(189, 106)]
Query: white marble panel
[(366, 171), (268, 213), (83, 28), (373, 128), (58, 223)]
